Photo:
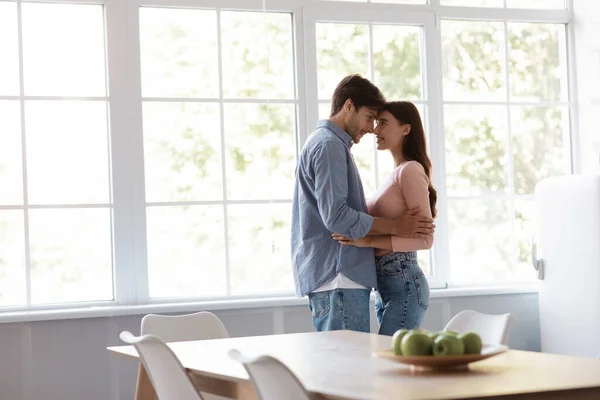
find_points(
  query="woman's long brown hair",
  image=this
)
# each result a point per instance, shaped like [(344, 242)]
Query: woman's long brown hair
[(414, 147)]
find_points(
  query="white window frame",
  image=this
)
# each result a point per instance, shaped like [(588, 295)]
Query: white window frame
[(569, 136), (26, 206), (125, 102), (429, 17), (133, 205)]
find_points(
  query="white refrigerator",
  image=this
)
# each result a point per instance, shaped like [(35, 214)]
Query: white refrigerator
[(568, 249)]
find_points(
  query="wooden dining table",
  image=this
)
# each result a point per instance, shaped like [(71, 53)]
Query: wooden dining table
[(341, 365)]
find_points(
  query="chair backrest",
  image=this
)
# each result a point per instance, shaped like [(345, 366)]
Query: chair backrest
[(169, 378), (272, 379), (493, 329), (181, 328)]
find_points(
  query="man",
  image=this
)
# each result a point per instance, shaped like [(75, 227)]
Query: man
[(329, 197)]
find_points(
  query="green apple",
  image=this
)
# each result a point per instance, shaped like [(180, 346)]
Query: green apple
[(450, 332), (397, 341), (416, 344), (433, 335), (448, 345), (472, 342)]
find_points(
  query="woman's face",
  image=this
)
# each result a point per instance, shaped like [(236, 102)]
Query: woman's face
[(389, 132)]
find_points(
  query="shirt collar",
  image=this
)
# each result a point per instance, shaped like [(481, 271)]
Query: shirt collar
[(326, 123)]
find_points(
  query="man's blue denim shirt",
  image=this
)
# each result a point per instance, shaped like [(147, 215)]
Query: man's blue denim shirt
[(329, 197)]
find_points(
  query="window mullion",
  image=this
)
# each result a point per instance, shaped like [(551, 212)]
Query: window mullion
[(310, 66), (509, 152), (434, 90), (127, 178), (301, 76), (24, 159), (223, 155)]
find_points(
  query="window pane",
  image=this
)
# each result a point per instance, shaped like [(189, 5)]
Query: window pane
[(67, 152), (11, 179), (9, 50), (178, 49), (476, 149), (357, 1), (63, 50), (364, 157), (342, 49), (525, 229), (424, 260), (324, 110), (473, 3), (539, 150), (257, 53), (385, 164), (12, 258), (182, 151), (400, 1), (259, 248), (397, 60), (261, 150), (71, 255), (541, 4), (388, 1), (186, 251), (480, 242), (473, 61), (538, 67)]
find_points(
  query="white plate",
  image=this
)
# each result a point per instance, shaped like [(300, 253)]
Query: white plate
[(443, 362)]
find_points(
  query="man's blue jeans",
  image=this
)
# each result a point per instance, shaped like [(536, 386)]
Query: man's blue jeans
[(402, 293), (340, 309)]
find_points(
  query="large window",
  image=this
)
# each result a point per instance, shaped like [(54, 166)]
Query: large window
[(219, 126), (506, 112), (55, 201), (147, 150)]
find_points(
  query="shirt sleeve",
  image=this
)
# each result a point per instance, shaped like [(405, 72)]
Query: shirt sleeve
[(414, 185), (331, 192)]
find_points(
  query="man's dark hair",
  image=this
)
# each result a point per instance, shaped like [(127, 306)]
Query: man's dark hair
[(358, 89)]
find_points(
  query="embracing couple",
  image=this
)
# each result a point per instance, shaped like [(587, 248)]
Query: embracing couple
[(343, 245)]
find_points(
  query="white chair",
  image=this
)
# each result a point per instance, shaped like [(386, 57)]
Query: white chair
[(202, 325), (169, 378), (493, 329), (272, 379), (181, 328)]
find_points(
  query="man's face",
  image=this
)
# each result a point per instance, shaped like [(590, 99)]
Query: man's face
[(360, 122)]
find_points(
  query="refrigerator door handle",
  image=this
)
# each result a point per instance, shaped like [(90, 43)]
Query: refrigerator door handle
[(538, 263)]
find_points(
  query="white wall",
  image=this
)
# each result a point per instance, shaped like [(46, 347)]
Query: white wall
[(68, 360)]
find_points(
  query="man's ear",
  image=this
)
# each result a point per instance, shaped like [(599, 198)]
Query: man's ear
[(348, 105)]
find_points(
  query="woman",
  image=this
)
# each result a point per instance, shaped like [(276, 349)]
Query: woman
[(403, 291)]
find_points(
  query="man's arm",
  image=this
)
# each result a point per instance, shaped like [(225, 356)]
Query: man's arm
[(331, 192), (376, 241)]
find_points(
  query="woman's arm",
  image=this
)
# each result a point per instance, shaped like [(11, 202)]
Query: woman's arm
[(380, 242), (415, 187)]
